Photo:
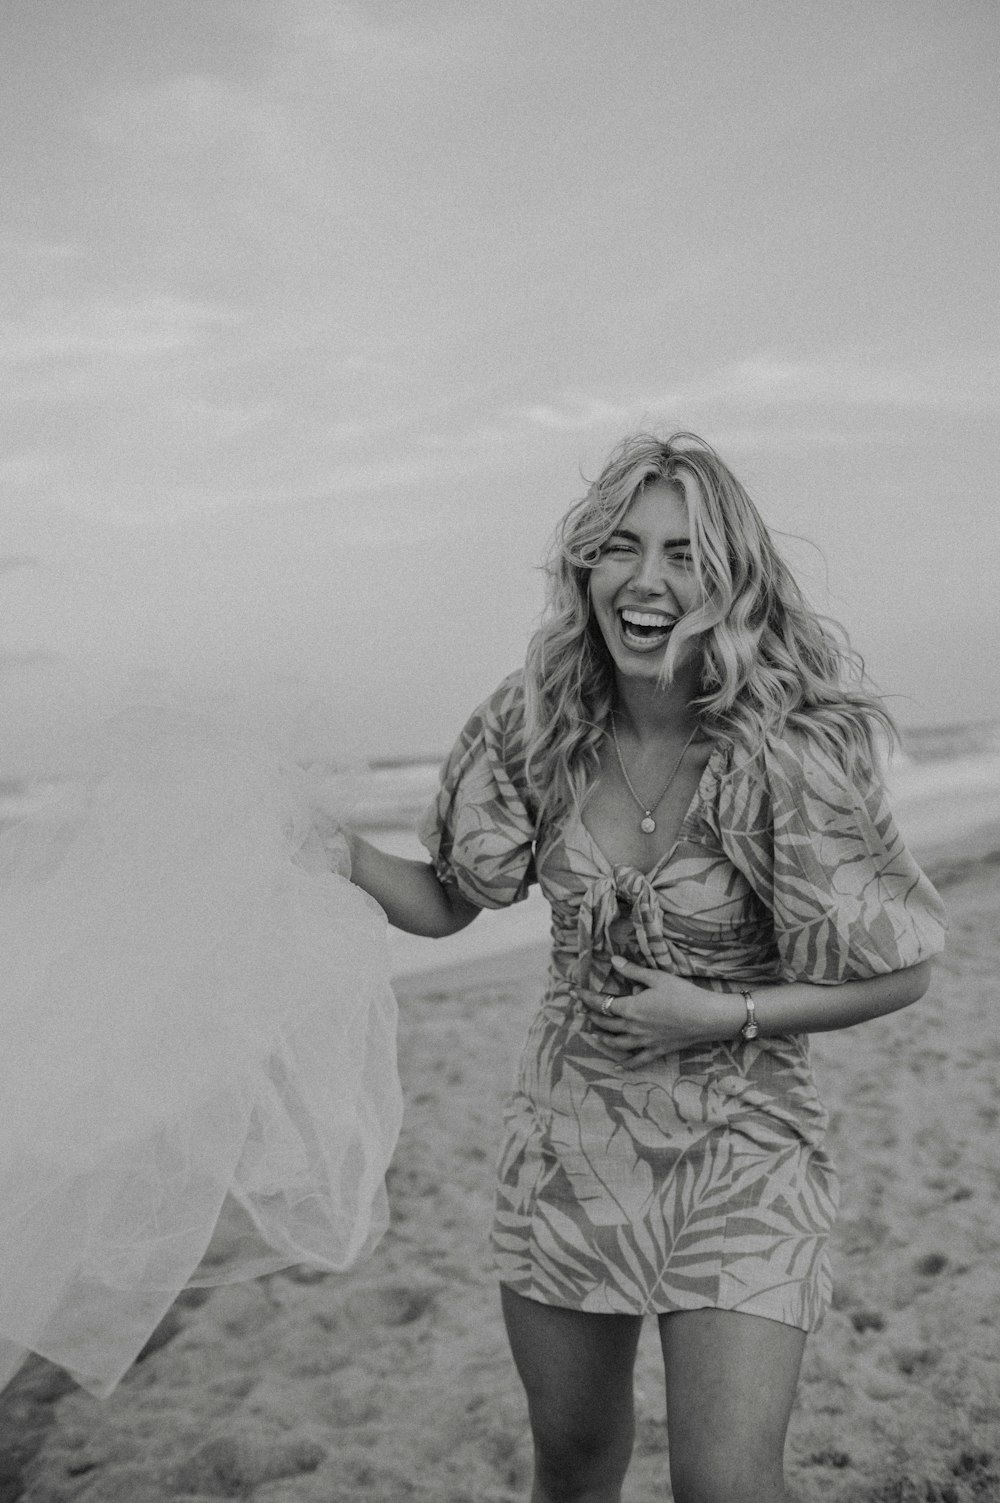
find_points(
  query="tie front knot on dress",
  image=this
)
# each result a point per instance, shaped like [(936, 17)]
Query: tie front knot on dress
[(622, 893)]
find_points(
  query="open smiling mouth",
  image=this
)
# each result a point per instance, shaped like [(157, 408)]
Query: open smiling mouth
[(646, 629)]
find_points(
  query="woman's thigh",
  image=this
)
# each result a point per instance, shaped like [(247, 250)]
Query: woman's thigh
[(731, 1381), (577, 1372)]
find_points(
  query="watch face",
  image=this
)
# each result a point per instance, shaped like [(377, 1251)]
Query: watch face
[(750, 1030)]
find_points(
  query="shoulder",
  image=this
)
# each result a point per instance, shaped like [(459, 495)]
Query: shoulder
[(506, 703), (498, 722), (482, 819), (491, 745), (797, 754), (795, 776)]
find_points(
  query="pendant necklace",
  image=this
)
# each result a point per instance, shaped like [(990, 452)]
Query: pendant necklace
[(648, 824)]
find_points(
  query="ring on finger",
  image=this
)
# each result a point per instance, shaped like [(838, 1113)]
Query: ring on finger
[(606, 1007)]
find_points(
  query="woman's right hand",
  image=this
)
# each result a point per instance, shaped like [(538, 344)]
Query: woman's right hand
[(327, 846)]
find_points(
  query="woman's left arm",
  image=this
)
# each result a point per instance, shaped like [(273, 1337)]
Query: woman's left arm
[(666, 1012)]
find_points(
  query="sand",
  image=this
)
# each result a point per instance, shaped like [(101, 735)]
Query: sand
[(393, 1382)]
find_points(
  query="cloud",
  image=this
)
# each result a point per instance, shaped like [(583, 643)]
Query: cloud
[(188, 113), (29, 658), (853, 381), (393, 474), (31, 252), (104, 351), (221, 420), (577, 413), (67, 330), (321, 32), (786, 382)]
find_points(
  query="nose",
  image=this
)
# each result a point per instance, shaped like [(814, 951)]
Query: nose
[(650, 576)]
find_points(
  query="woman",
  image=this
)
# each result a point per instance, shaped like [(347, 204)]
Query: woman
[(688, 768)]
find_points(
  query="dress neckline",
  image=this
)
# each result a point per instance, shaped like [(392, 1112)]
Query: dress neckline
[(668, 855)]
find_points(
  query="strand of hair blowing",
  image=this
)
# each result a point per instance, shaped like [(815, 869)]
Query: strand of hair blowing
[(769, 660)]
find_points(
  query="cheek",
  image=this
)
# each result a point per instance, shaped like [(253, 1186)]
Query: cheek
[(601, 591), (687, 590), (602, 616)]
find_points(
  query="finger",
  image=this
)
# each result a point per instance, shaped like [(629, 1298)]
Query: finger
[(627, 1043), (633, 972), (643, 1058), (595, 998), (609, 1022), (610, 1025), (620, 1045), (597, 1006)]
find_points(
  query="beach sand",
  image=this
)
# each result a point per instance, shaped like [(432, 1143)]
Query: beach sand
[(393, 1382)]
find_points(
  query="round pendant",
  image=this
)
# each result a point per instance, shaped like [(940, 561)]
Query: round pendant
[(647, 825)]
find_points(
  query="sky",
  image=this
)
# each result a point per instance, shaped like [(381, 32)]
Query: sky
[(318, 315)]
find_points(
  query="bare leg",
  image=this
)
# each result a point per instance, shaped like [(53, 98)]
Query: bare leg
[(730, 1385), (577, 1372)]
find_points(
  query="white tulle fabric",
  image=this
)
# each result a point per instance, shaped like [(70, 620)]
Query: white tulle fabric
[(194, 1007)]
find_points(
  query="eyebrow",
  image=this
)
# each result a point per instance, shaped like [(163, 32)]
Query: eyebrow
[(633, 537)]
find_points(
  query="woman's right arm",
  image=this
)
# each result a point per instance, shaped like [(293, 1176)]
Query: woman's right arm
[(409, 891)]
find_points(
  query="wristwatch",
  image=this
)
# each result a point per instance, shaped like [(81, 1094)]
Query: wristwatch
[(750, 1029)]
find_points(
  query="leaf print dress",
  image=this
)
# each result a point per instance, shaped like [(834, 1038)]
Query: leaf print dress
[(701, 1180)]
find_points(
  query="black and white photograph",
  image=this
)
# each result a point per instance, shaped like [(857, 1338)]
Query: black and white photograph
[(499, 751)]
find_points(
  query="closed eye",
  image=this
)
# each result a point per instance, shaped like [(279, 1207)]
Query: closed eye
[(674, 555)]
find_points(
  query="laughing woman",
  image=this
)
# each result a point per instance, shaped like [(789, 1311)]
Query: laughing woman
[(687, 766)]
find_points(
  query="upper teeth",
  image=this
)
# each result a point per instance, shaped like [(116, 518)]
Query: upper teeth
[(647, 618)]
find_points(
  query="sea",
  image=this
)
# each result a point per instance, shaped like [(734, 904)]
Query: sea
[(944, 783), (931, 759)]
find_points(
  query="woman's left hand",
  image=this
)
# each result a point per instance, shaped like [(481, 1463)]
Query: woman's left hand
[(663, 1014)]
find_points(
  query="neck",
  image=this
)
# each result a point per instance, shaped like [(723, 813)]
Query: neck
[(650, 709)]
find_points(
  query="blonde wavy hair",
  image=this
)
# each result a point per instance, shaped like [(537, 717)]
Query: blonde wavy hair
[(769, 660)]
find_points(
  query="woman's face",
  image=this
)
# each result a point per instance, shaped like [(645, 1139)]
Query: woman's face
[(644, 580)]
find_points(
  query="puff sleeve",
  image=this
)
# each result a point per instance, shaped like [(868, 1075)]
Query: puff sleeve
[(480, 829), (822, 853)]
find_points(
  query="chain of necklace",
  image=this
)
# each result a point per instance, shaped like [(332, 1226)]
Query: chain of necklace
[(648, 824)]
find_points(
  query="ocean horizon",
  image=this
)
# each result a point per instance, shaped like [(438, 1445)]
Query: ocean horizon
[(394, 790), (391, 791)]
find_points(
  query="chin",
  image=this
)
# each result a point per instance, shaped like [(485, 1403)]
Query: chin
[(641, 670), (648, 668)]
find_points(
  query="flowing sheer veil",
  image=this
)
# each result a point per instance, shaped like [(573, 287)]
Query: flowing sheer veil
[(197, 1015)]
